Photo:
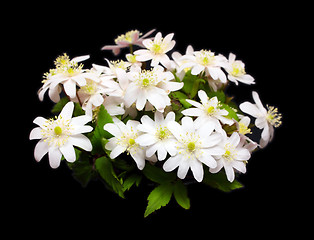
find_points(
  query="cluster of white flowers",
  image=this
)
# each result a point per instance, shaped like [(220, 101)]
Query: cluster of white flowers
[(131, 88)]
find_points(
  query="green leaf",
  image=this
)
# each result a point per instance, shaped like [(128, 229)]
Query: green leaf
[(219, 94), (158, 175), (232, 114), (82, 169), (219, 180), (59, 105), (131, 180), (158, 198), (105, 169), (99, 133), (181, 194), (181, 97), (188, 80)]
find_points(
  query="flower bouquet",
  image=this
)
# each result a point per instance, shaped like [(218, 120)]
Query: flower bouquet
[(150, 118)]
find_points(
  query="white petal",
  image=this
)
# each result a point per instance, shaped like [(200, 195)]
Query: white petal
[(161, 153), (68, 152), (218, 168), (81, 141), (197, 69), (243, 154), (187, 124), (172, 163), (80, 58), (183, 169), (197, 170), (240, 166), (234, 139), (117, 151), (54, 155), (113, 129), (250, 109), (67, 111), (151, 150), (195, 112), (229, 172), (146, 140), (40, 121), (70, 88), (203, 96), (81, 120), (35, 133), (208, 160), (139, 158), (40, 150), (176, 129)]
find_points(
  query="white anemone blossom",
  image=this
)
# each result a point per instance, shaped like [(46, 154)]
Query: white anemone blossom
[(124, 141), (156, 135), (233, 156), (195, 145), (205, 61), (152, 86), (265, 119), (208, 111), (156, 50), (58, 136), (236, 71)]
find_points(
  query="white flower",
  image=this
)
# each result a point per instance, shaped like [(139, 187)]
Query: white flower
[(156, 135), (195, 145), (124, 141), (236, 71), (125, 40), (70, 74), (233, 157), (206, 61), (58, 136), (156, 50), (265, 120), (208, 111), (177, 57), (152, 86)]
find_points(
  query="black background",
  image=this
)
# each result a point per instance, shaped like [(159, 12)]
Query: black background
[(51, 200)]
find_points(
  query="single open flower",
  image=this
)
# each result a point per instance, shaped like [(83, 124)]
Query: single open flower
[(58, 136)]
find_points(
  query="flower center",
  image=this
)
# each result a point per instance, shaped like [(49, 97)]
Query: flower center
[(210, 110), (162, 133), (146, 79), (58, 130), (273, 117), (191, 146), (145, 82), (205, 57), (90, 87), (244, 129), (230, 152), (237, 69), (131, 141)]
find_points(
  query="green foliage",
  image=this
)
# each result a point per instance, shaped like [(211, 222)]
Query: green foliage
[(100, 134), (158, 175), (105, 169), (220, 181), (181, 194), (158, 198), (59, 105)]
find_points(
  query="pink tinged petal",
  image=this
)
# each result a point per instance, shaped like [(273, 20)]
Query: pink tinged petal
[(250, 109), (40, 121), (67, 111), (54, 94), (68, 152), (35, 133), (117, 151), (197, 170), (81, 141), (40, 150), (146, 140), (243, 154), (54, 155), (148, 33)]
